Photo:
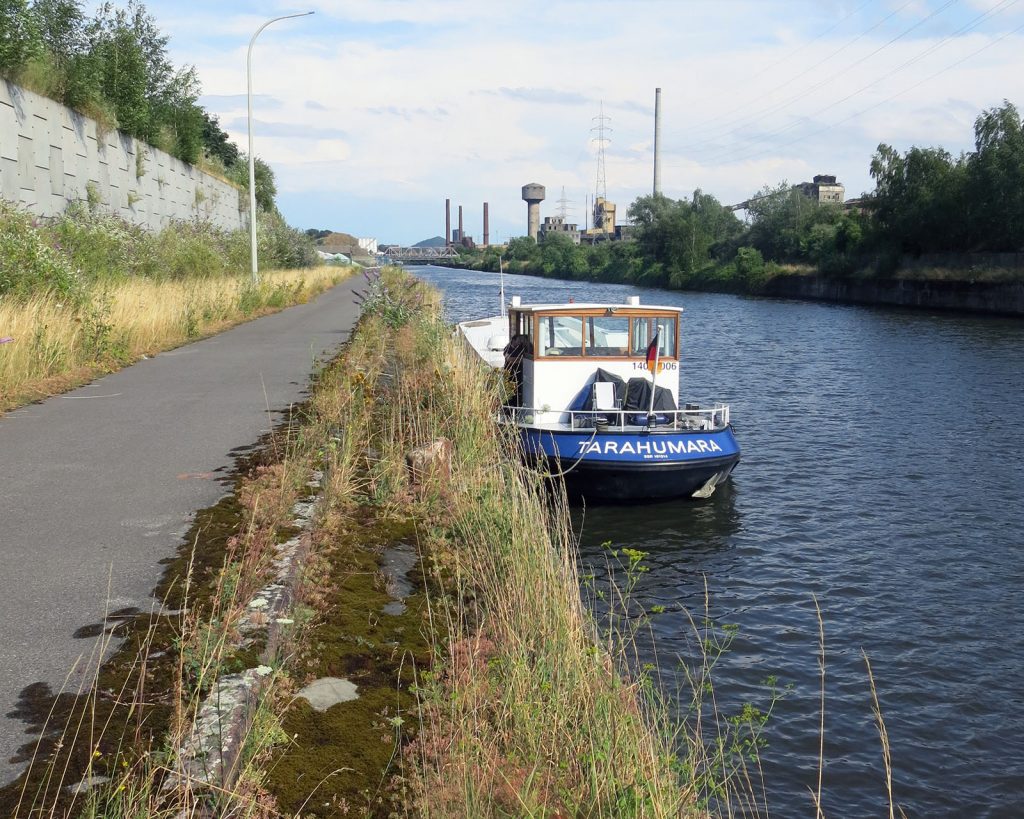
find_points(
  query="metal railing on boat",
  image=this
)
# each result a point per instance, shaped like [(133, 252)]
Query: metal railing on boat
[(691, 418)]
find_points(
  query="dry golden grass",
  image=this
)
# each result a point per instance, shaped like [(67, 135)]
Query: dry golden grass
[(57, 344)]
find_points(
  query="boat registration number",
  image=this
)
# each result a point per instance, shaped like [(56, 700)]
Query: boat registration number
[(662, 365)]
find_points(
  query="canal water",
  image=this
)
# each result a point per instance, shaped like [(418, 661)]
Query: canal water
[(882, 473)]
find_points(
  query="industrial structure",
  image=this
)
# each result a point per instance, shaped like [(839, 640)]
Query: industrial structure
[(557, 224), (533, 195), (824, 190)]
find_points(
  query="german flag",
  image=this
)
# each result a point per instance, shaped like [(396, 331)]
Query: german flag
[(652, 355)]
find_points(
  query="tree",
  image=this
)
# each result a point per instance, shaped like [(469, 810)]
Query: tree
[(919, 199), (996, 180), (19, 37), (61, 26), (123, 80), (216, 142), (560, 256), (677, 237), (522, 248), (266, 187)]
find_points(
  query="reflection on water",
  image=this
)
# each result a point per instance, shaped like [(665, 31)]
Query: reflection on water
[(881, 473)]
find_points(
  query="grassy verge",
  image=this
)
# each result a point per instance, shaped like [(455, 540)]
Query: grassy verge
[(527, 706), (57, 342)]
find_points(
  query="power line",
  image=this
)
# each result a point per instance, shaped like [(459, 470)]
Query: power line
[(969, 26), (788, 102), (882, 102), (792, 79)]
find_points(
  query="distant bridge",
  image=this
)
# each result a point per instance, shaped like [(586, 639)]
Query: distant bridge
[(417, 254)]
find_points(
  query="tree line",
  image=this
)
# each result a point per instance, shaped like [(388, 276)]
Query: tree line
[(925, 201)]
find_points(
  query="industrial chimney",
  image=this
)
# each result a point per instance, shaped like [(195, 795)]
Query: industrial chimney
[(462, 235), (533, 195), (657, 142), (487, 228), (447, 222)]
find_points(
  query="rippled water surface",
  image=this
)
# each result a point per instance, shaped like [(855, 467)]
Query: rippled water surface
[(882, 472)]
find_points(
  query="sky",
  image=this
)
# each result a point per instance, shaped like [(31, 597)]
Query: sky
[(372, 112)]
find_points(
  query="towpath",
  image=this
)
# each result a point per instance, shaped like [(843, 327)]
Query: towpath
[(98, 485)]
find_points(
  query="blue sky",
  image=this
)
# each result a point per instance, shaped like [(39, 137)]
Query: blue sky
[(373, 112)]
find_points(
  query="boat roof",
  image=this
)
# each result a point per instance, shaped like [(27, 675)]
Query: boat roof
[(572, 307)]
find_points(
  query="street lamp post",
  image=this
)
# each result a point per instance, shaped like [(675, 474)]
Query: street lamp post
[(252, 156)]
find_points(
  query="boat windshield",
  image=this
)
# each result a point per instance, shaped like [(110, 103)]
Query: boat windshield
[(644, 328), (559, 335), (607, 335), (599, 336)]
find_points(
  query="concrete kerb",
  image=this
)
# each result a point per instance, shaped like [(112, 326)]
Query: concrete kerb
[(212, 753)]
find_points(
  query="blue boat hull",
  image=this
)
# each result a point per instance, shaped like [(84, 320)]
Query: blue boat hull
[(618, 465)]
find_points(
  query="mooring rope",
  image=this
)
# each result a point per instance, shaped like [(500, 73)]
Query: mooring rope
[(583, 451)]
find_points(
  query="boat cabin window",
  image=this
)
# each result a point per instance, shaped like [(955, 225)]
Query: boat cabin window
[(559, 336), (607, 335), (644, 328), (521, 324)]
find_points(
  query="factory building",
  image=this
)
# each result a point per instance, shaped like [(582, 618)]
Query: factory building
[(824, 190), (557, 224)]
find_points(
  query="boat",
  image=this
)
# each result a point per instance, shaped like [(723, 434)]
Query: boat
[(594, 395)]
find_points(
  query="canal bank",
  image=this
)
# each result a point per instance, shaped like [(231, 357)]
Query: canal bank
[(994, 298), (876, 477), (997, 291)]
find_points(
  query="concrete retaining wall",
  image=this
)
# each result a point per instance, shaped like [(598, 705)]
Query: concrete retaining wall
[(51, 155), (1002, 298)]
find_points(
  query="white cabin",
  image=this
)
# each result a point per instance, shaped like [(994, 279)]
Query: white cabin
[(566, 344)]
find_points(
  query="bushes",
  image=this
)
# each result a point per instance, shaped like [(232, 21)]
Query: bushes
[(282, 246), (84, 247), (28, 261)]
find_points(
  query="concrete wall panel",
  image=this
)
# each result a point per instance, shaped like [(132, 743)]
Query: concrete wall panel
[(8, 131), (56, 171), (25, 163), (40, 141), (49, 154), (8, 173)]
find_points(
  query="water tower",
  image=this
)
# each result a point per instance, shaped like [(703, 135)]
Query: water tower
[(533, 195)]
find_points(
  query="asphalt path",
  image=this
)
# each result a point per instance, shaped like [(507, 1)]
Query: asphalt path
[(98, 485)]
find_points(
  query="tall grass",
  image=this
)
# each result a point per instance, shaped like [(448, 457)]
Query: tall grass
[(530, 709), (58, 340)]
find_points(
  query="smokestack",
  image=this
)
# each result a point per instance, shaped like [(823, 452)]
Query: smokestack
[(657, 142), (461, 234), (487, 227), (447, 222)]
